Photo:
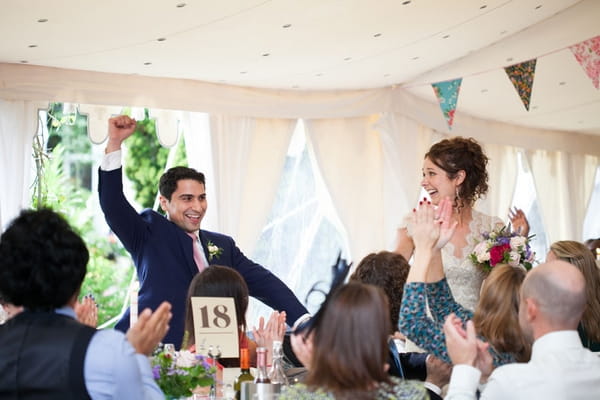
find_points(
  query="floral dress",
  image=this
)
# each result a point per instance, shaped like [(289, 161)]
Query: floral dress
[(397, 389), (428, 333)]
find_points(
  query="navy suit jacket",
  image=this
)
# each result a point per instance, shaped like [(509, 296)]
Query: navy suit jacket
[(163, 256)]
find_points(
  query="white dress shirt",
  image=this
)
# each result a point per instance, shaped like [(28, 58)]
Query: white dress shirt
[(560, 368)]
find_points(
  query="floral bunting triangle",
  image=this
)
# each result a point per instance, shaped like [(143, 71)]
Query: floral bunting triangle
[(447, 95), (587, 54), (521, 75)]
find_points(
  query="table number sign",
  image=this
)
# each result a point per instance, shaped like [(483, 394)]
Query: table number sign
[(215, 324)]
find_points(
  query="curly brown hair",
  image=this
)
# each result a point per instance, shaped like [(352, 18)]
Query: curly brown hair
[(387, 271), (459, 153)]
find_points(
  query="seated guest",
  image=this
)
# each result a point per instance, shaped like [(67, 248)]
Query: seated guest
[(388, 271), (347, 350), (44, 352), (577, 254), (495, 315), (220, 281), (552, 302)]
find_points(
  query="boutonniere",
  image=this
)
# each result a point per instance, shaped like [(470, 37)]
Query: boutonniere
[(213, 250)]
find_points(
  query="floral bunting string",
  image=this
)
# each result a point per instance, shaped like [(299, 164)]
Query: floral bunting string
[(447, 95), (587, 54), (521, 75)]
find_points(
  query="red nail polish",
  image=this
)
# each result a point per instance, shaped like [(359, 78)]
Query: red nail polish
[(414, 210), (421, 203)]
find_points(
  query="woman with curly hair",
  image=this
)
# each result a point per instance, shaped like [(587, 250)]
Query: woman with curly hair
[(457, 168), (496, 315), (579, 255)]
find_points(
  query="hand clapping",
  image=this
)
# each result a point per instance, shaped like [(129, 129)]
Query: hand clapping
[(432, 228)]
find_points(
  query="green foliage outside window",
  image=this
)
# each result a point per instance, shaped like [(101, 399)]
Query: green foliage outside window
[(105, 279), (63, 182), (146, 160)]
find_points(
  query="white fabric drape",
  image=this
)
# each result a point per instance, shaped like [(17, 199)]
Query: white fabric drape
[(349, 156), (249, 155), (502, 177), (196, 133), (404, 143), (564, 182), (18, 125)]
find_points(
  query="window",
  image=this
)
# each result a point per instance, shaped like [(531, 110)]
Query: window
[(525, 198), (591, 224), (303, 236)]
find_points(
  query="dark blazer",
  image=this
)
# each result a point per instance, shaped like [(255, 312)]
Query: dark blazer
[(163, 256), (409, 365)]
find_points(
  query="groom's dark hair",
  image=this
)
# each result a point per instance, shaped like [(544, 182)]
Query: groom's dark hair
[(168, 181)]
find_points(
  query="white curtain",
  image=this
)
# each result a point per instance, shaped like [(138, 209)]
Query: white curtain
[(196, 132), (348, 153), (18, 125), (502, 178), (248, 157), (564, 182), (404, 143)]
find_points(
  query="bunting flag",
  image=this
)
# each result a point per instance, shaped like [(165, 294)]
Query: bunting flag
[(447, 95), (521, 75), (587, 54)]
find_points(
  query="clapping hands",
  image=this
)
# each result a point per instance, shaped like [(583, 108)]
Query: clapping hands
[(150, 328), (272, 331), (465, 348), (433, 228), (86, 311)]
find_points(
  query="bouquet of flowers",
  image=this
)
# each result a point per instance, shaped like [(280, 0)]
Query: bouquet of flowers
[(503, 246), (179, 373)]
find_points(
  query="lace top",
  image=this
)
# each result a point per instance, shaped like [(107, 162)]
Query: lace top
[(463, 277)]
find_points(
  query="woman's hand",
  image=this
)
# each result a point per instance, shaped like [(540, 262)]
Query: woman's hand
[(447, 226), (274, 330), (303, 348), (426, 229), (519, 221), (87, 311)]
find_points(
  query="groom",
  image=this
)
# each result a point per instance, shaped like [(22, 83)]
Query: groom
[(168, 252)]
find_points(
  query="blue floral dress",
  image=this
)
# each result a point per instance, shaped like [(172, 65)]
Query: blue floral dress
[(428, 333)]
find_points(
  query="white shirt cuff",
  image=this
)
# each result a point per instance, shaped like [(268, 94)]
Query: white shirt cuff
[(300, 320), (111, 161), (464, 380), (433, 387)]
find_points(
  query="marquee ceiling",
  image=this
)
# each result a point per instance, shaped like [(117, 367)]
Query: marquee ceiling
[(328, 45)]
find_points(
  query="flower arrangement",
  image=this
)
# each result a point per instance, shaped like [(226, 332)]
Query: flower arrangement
[(213, 250), (179, 373), (503, 246)]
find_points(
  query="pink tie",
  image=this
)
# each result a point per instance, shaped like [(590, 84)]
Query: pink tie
[(197, 256)]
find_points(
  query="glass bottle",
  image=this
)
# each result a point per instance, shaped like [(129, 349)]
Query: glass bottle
[(277, 372), (245, 375), (261, 366)]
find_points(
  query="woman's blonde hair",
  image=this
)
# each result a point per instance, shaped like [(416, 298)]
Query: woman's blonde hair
[(496, 316), (580, 256)]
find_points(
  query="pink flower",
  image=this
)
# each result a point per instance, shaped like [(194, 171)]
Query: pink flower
[(497, 253)]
